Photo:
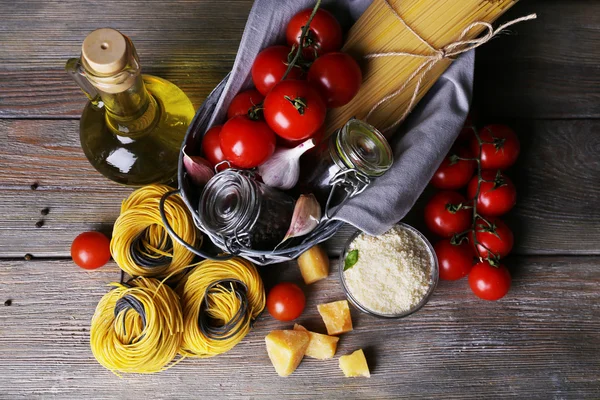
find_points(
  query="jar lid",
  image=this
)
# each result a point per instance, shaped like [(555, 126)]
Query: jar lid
[(363, 147), (228, 204)]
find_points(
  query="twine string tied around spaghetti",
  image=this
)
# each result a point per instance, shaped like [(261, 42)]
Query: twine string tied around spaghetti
[(449, 51)]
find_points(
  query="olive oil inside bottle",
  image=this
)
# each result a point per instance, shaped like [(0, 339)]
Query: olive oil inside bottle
[(139, 157)]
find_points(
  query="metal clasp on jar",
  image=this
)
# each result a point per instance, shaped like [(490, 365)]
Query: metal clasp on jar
[(235, 243), (351, 181)]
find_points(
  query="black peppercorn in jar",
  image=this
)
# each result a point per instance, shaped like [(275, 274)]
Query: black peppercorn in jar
[(243, 212), (353, 156)]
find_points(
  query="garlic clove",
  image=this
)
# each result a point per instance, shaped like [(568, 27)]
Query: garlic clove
[(282, 169), (307, 215), (199, 169)]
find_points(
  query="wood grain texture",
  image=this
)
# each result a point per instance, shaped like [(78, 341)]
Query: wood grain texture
[(548, 68), (545, 70), (540, 342), (558, 209), (191, 43)]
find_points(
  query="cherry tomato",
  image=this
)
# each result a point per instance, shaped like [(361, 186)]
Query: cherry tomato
[(294, 110), (489, 282), (324, 35), (453, 174), (247, 143), (243, 102), (497, 237), (445, 215), (497, 194), (290, 144), (270, 66), (501, 149), (286, 301), (455, 261), (211, 145), (337, 78), (90, 250)]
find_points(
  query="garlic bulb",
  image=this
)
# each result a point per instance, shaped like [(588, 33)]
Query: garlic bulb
[(307, 215), (199, 169), (283, 168)]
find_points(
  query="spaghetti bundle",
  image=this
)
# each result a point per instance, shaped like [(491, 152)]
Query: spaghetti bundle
[(405, 46), (137, 327), (220, 299), (141, 245)]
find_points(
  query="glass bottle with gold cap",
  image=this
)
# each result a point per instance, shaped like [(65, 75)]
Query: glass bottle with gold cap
[(132, 128)]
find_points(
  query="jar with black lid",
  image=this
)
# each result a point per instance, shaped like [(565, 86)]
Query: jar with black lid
[(352, 157), (241, 211)]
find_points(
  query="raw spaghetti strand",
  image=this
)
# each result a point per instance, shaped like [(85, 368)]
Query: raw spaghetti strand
[(410, 43), (137, 327), (447, 52), (220, 299), (141, 245)]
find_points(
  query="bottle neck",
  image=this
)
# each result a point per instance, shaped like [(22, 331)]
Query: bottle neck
[(117, 82), (132, 112)]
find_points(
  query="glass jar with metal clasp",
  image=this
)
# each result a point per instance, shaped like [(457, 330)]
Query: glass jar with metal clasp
[(353, 156), (238, 211)]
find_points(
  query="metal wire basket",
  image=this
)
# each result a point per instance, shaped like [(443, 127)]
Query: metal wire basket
[(191, 196)]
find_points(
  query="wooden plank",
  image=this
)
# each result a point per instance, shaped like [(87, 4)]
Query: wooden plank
[(541, 341), (547, 70), (192, 43), (558, 210)]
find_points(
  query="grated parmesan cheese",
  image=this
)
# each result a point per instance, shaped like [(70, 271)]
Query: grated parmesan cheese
[(393, 271)]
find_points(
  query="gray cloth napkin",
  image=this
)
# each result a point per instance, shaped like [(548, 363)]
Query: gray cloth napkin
[(420, 143), (419, 146)]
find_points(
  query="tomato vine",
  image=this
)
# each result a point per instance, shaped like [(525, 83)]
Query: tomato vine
[(303, 36), (492, 257)]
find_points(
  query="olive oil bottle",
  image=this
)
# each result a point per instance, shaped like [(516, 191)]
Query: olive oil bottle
[(132, 128)]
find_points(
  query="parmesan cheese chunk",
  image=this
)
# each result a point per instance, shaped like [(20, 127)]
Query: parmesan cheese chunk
[(320, 346), (286, 349), (355, 364), (336, 316)]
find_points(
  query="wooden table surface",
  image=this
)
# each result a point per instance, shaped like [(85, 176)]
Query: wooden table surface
[(541, 341)]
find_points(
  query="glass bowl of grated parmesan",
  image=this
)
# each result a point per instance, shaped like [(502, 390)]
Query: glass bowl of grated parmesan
[(390, 275)]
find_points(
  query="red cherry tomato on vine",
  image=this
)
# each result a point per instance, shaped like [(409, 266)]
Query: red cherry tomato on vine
[(243, 102), (286, 301), (247, 143), (294, 110), (455, 261), (445, 215), (211, 145), (90, 250), (488, 282), (497, 237), (324, 35), (501, 149), (270, 66), (337, 77), (497, 194), (453, 173)]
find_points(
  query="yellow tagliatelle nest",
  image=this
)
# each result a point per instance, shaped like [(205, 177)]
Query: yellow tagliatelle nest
[(139, 231), (220, 299), (137, 327)]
